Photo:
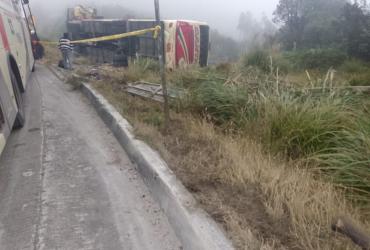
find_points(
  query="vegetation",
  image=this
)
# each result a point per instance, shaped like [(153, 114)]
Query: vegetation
[(223, 48), (360, 79), (325, 24), (262, 158), (277, 145), (316, 59), (259, 59), (327, 132), (256, 33)]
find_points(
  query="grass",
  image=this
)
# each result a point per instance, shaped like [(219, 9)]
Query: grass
[(313, 59), (273, 165), (52, 54), (328, 132), (263, 202), (223, 104)]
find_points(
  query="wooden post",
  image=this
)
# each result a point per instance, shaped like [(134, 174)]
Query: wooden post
[(162, 61)]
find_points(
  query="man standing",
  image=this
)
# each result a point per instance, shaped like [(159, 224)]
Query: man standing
[(66, 48)]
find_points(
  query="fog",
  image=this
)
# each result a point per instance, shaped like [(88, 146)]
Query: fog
[(222, 15)]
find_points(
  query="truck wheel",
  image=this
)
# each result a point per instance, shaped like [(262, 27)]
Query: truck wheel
[(20, 118)]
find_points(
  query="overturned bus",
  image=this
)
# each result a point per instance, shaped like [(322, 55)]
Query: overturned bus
[(185, 42)]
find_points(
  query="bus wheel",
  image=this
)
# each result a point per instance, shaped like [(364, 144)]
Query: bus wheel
[(19, 120)]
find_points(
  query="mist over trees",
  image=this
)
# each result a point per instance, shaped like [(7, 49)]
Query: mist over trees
[(253, 34), (312, 23), (115, 11), (333, 28), (295, 25), (356, 30), (321, 24), (51, 27), (223, 48), (256, 33)]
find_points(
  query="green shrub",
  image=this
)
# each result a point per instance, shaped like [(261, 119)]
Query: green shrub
[(263, 60), (148, 64), (225, 105), (330, 133), (321, 59), (154, 118), (259, 59), (360, 79), (354, 66), (281, 63)]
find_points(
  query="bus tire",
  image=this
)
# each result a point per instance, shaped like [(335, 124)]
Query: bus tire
[(20, 118)]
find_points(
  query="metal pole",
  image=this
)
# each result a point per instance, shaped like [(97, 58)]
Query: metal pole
[(162, 61)]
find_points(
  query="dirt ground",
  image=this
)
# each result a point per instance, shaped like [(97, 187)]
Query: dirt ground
[(230, 205)]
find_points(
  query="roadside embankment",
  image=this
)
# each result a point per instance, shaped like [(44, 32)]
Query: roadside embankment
[(193, 226)]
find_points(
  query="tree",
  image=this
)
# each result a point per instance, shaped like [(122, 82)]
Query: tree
[(309, 24), (291, 14), (249, 28), (323, 29), (356, 31)]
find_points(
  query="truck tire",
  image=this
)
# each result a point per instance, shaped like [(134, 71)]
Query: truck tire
[(20, 118)]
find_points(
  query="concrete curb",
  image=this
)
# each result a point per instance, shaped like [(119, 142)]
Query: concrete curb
[(192, 225)]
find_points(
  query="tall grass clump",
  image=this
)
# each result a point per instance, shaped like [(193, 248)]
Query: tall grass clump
[(147, 64), (360, 79), (259, 59), (321, 59), (225, 105), (267, 62), (329, 134), (141, 69), (302, 125), (354, 66)]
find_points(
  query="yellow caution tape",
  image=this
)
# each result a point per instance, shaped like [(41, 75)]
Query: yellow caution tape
[(156, 31)]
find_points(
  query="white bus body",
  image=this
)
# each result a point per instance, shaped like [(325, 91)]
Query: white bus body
[(16, 64)]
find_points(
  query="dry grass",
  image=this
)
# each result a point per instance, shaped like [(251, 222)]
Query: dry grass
[(262, 202), (52, 54)]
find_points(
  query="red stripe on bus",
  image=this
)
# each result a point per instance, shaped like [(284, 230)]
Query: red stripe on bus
[(4, 37)]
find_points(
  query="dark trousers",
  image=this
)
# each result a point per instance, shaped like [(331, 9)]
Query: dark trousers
[(67, 59)]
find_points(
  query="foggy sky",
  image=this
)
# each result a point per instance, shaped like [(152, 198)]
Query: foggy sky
[(219, 14)]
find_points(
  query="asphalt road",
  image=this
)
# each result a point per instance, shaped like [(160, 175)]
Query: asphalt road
[(65, 182)]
